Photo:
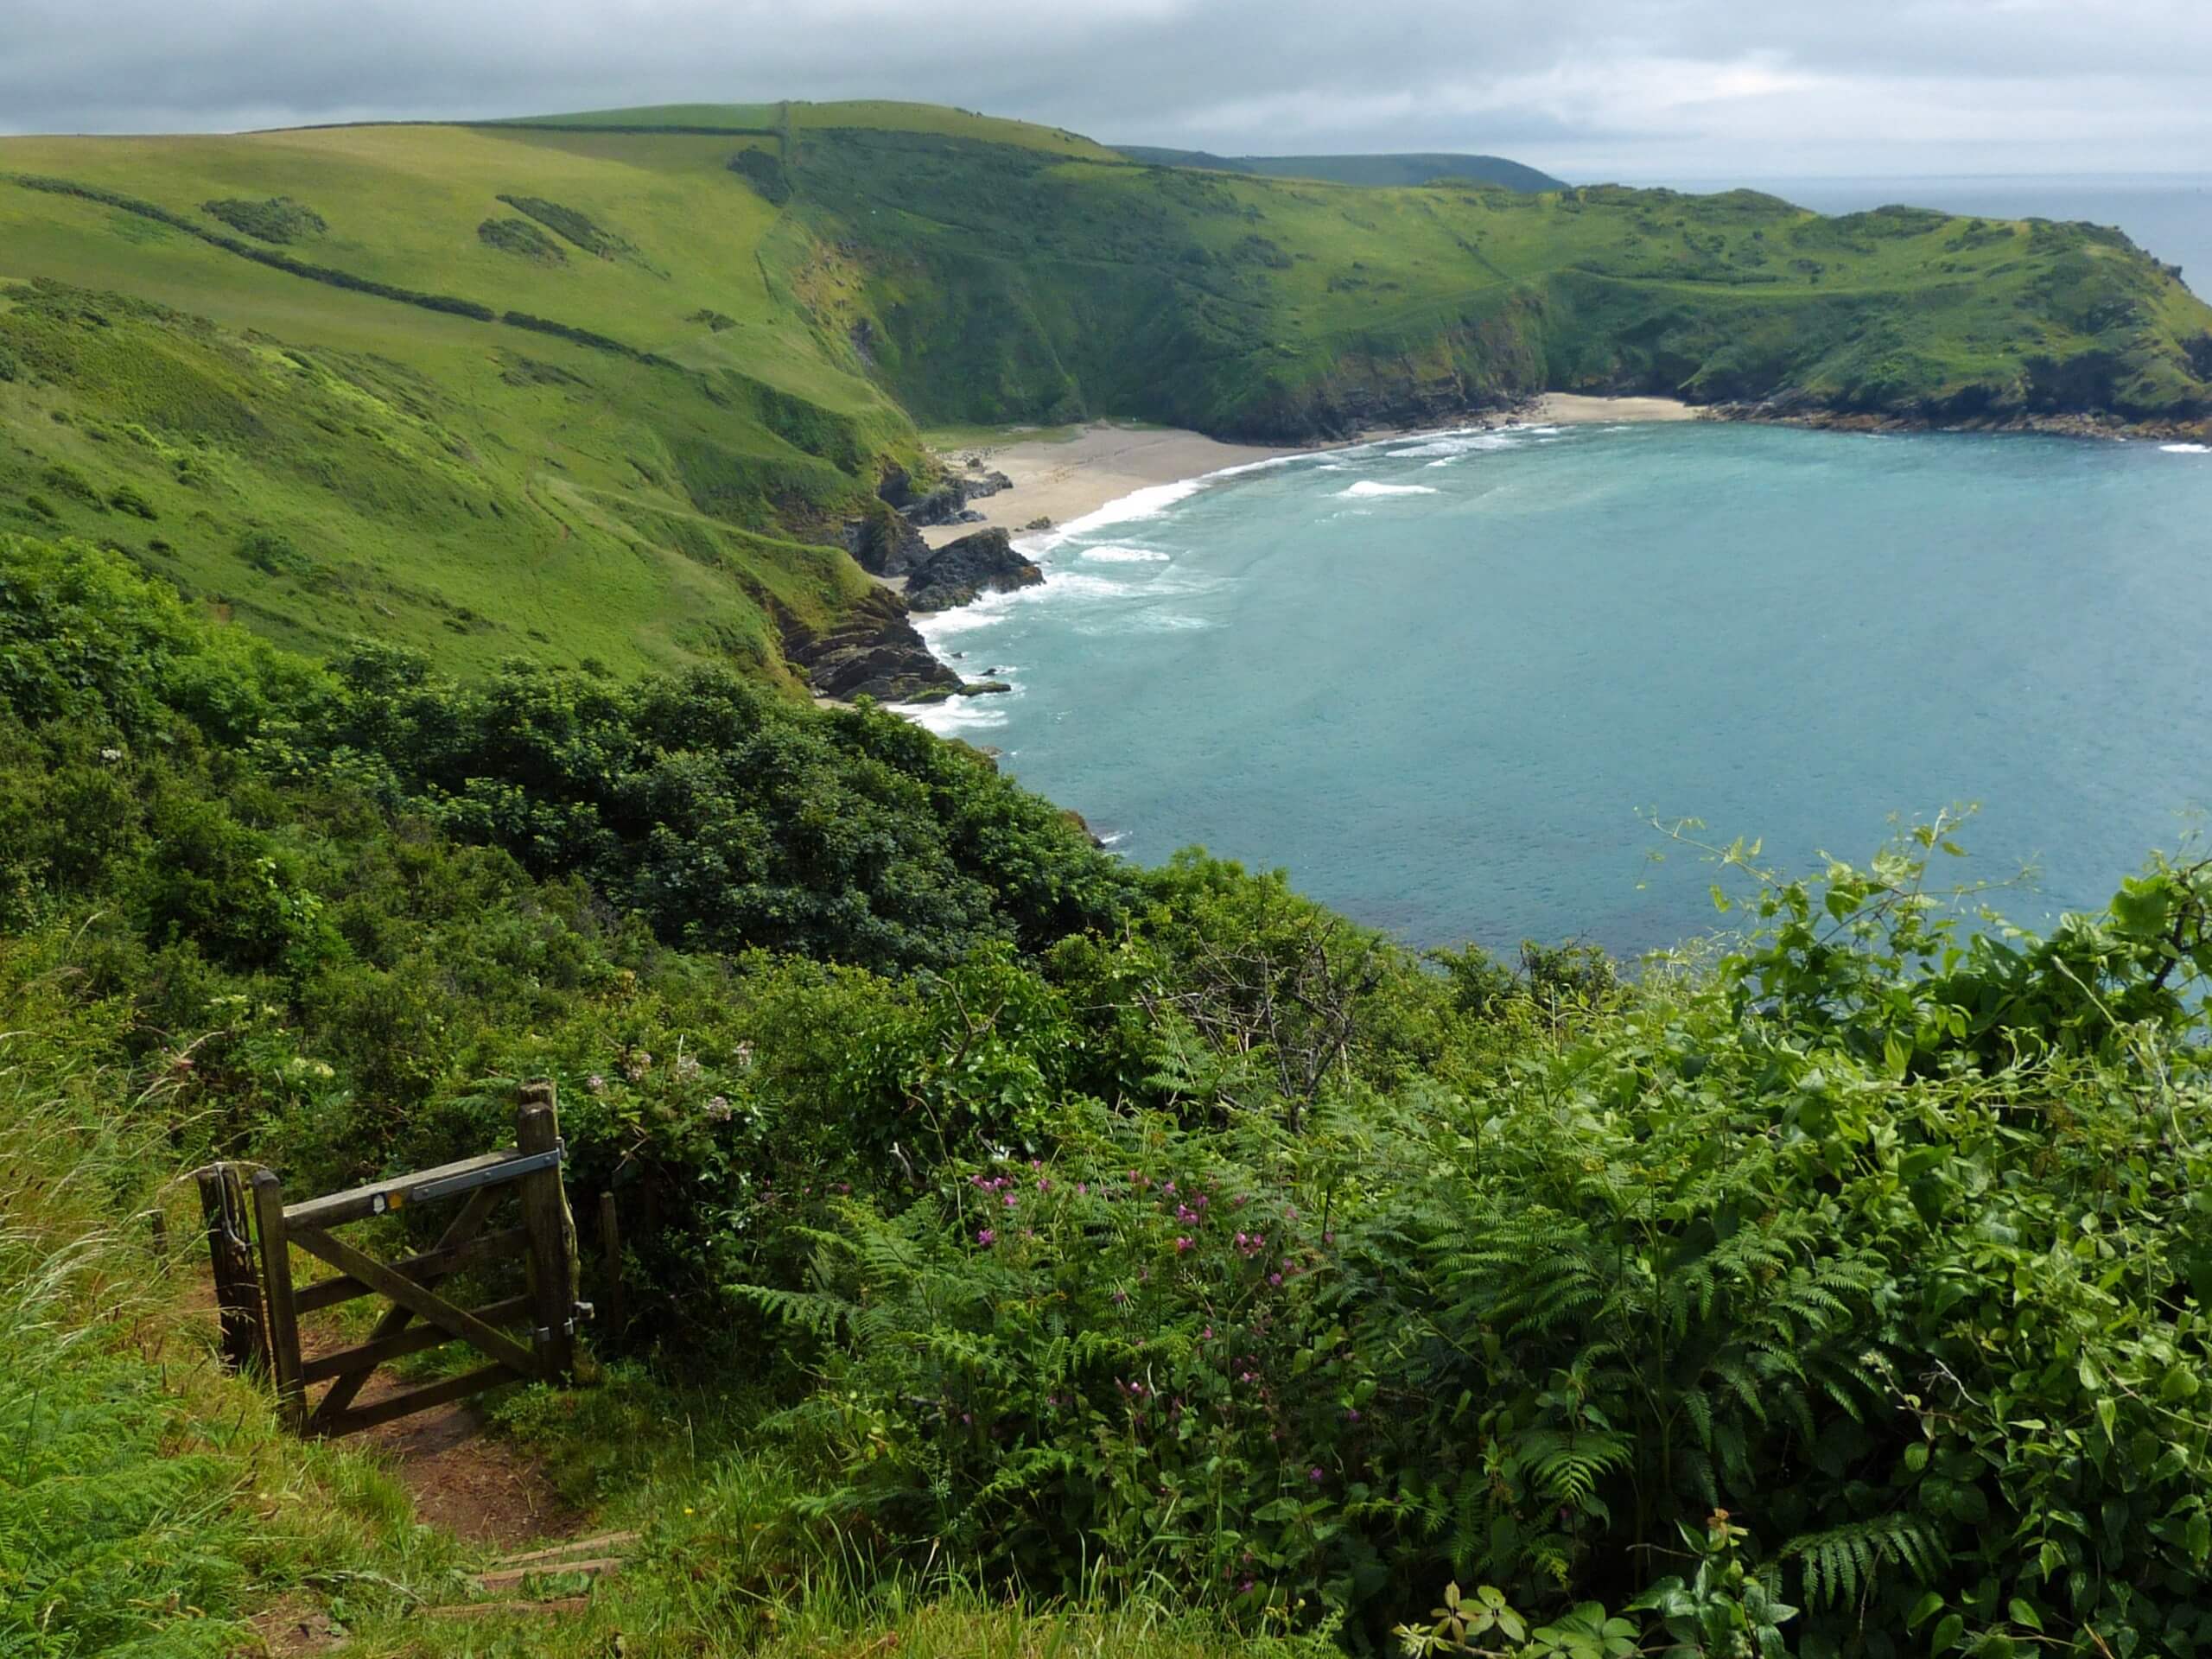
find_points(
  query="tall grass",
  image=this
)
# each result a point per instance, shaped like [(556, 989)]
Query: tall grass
[(147, 1503)]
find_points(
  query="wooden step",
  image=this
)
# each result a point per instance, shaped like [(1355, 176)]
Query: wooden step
[(574, 1546), (506, 1577), (489, 1609)]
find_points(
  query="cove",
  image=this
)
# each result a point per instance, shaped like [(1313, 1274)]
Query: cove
[(1445, 680)]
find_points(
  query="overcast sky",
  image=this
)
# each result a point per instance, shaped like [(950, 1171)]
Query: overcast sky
[(1638, 90)]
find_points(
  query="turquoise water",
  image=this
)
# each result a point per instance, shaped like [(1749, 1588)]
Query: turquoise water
[(1442, 680)]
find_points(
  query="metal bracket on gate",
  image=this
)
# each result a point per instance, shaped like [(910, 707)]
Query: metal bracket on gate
[(511, 1169)]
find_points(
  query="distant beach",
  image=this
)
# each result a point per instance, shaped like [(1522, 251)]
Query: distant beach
[(1064, 476)]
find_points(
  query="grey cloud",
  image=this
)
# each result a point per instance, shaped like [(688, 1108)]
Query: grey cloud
[(1623, 88)]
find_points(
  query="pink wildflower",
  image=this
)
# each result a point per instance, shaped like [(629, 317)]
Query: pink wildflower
[(986, 1239)]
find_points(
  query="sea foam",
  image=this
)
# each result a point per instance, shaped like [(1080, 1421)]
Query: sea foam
[(1368, 486), (2187, 449), (1112, 555), (1147, 503)]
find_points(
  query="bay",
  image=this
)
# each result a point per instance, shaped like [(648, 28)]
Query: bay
[(1445, 681)]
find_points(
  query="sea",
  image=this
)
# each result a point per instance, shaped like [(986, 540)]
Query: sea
[(1489, 686)]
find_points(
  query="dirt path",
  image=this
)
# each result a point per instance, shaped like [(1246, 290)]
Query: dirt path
[(479, 1486)]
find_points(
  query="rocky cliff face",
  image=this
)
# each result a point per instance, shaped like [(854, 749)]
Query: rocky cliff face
[(873, 651)]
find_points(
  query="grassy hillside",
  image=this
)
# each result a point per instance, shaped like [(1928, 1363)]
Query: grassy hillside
[(1394, 169), (607, 385)]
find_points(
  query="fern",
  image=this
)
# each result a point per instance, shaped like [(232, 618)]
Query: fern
[(1842, 1564)]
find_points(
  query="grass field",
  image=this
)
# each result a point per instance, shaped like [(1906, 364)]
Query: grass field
[(605, 385)]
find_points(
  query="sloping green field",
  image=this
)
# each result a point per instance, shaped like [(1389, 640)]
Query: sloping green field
[(605, 385)]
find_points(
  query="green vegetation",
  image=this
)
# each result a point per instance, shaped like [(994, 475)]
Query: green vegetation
[(568, 222), (1029, 1252), (519, 236), (1387, 170), (278, 219), (765, 173), (1024, 1221)]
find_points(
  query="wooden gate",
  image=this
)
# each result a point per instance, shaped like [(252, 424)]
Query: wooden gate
[(250, 1239)]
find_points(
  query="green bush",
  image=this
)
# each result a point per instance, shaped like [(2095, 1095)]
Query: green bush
[(277, 219), (273, 553), (519, 236), (66, 479), (125, 497), (1734, 1246), (574, 226)]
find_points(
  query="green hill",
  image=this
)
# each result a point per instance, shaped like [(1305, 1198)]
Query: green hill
[(606, 386), (1416, 167)]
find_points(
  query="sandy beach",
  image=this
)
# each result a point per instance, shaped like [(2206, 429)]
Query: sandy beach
[(1573, 409), (1062, 477)]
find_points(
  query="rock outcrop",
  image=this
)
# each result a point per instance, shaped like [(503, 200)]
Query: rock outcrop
[(947, 504), (884, 543), (873, 651), (959, 572)]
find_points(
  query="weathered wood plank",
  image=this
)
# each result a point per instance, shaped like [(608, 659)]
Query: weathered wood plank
[(506, 1577), (423, 1303), (557, 1606), (408, 1400), (426, 1269), (463, 1228), (382, 1351), (574, 1546), (397, 1192), (277, 1281), (552, 1235)]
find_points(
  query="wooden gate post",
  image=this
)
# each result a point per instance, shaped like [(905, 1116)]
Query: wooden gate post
[(552, 1257), (610, 1249), (283, 1314), (238, 1285)]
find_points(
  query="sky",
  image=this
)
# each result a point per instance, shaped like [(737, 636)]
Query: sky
[(1636, 90)]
